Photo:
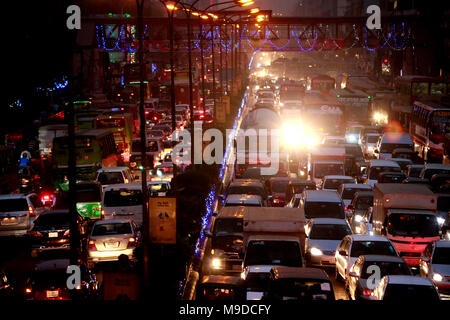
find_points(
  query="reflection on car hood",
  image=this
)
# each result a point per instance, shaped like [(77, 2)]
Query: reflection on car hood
[(327, 245)]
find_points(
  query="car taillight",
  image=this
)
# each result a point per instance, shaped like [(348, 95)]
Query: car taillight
[(36, 234), (28, 290), (67, 233), (30, 210), (91, 245), (131, 242), (25, 180), (366, 292)]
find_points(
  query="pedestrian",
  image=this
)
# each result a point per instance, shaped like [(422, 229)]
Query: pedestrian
[(24, 161)]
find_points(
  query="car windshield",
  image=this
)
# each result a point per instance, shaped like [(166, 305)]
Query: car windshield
[(228, 226), (298, 188), (348, 193), (389, 147), (8, 205), (441, 256), (386, 268), (53, 219), (410, 292), (247, 190), (160, 187), (285, 253), (324, 210), (279, 186), (372, 139), (300, 289), (363, 203), (335, 183), (111, 229), (412, 225), (431, 172), (375, 171), (329, 231), (360, 248), (123, 198), (325, 169), (110, 178), (45, 279), (89, 195)]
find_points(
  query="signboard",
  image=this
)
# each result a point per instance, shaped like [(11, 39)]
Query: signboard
[(220, 112), (119, 285), (163, 220)]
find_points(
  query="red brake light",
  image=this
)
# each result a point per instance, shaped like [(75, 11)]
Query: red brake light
[(103, 213), (91, 245), (67, 233), (131, 242), (366, 292), (30, 210), (36, 234), (28, 290)]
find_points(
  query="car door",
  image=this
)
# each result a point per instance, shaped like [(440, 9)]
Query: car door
[(346, 258), (424, 265), (352, 282), (340, 259)]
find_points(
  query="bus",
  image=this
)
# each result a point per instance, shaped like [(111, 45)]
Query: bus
[(411, 88), (355, 104), (121, 126), (324, 120), (430, 129), (95, 149)]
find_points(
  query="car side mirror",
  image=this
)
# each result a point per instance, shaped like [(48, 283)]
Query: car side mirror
[(343, 253)]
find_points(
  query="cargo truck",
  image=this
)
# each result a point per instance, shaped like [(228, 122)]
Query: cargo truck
[(324, 162), (406, 214)]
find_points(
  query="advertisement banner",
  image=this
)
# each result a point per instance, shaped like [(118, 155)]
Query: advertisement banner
[(163, 220)]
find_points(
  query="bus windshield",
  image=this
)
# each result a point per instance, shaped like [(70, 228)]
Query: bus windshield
[(413, 225)]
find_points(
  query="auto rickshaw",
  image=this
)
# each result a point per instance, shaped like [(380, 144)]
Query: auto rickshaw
[(214, 287)]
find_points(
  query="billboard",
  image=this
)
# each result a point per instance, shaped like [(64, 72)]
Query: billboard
[(163, 220)]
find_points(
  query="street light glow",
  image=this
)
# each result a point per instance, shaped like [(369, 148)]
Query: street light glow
[(255, 10), (245, 4), (204, 16), (171, 6)]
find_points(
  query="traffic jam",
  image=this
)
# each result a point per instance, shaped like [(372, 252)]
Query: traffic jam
[(316, 179)]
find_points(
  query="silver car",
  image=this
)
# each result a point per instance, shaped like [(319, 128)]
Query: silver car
[(323, 235), (111, 238), (435, 265)]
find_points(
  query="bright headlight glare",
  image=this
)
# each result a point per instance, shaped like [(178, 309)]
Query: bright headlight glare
[(358, 218), (216, 263), (437, 277), (440, 221), (316, 251)]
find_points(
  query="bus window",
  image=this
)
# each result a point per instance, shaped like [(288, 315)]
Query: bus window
[(420, 88), (440, 123), (438, 88)]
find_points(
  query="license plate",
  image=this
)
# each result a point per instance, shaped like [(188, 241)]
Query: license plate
[(114, 244), (53, 234), (52, 294), (8, 221)]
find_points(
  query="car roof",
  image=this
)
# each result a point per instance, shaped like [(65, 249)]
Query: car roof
[(328, 221), (54, 264), (300, 273), (14, 196), (414, 280), (365, 237), (322, 195), (436, 166), (296, 181), (246, 182), (338, 177), (112, 169), (131, 186), (360, 186), (243, 198), (383, 258), (415, 165), (401, 160), (231, 212), (443, 244), (383, 163), (269, 237), (396, 137), (157, 182), (111, 221), (364, 193)]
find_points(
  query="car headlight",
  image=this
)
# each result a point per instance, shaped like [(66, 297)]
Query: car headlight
[(358, 218), (437, 277), (440, 221), (216, 263), (316, 251)]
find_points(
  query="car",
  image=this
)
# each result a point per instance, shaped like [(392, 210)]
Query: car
[(348, 190), (113, 175), (405, 288), (355, 245), (167, 129), (378, 166), (247, 186), (362, 200), (430, 169), (277, 187), (358, 285), (123, 201), (332, 183), (243, 200), (296, 186), (435, 265), (413, 170), (217, 287), (111, 238), (29, 180), (158, 188), (322, 204), (323, 235), (89, 200), (162, 172), (333, 140), (302, 284), (153, 133), (392, 177), (18, 212), (390, 141), (51, 231), (369, 143), (403, 163), (48, 281)]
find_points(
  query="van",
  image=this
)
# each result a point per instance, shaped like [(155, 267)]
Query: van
[(123, 200), (378, 166), (247, 186), (113, 175), (322, 204), (391, 141)]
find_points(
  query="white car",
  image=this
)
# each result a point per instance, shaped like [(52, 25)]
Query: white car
[(245, 200), (323, 235), (405, 288), (332, 183), (435, 265), (369, 144), (113, 175), (378, 166), (158, 188), (346, 192), (111, 238), (18, 212), (334, 140), (353, 246), (123, 201)]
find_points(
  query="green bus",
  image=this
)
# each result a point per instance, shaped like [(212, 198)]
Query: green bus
[(95, 149), (89, 200), (85, 119)]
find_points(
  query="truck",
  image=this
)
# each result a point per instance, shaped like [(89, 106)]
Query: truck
[(272, 237), (47, 134), (326, 161), (406, 215)]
